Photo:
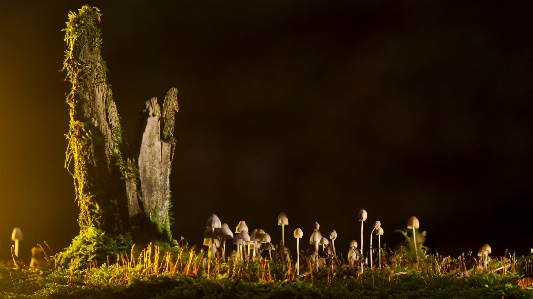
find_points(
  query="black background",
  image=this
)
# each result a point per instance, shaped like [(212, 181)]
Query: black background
[(317, 109)]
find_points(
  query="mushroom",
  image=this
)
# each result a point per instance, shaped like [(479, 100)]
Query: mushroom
[(485, 251), (324, 242), (333, 236), (270, 247), (379, 233), (414, 224), (265, 238), (362, 217), (212, 223), (241, 227), (224, 233), (245, 239), (17, 236), (315, 237), (252, 241), (315, 240), (377, 225), (37, 257), (282, 221), (298, 234), (352, 253), (237, 240)]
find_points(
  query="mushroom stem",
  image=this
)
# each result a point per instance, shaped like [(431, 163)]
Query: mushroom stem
[(371, 246), (298, 256), (283, 245), (414, 242), (224, 250), (379, 250), (333, 244), (361, 250), (17, 248)]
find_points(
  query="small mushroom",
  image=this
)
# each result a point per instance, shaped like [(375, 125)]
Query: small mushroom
[(379, 233), (315, 237), (414, 224), (282, 221), (362, 217), (212, 223), (352, 253), (333, 236), (324, 242), (17, 236), (241, 227), (485, 251), (245, 240), (225, 233), (237, 240), (270, 247), (37, 257), (252, 241), (377, 224), (298, 234)]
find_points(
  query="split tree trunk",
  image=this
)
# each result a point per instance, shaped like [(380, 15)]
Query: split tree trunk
[(117, 189)]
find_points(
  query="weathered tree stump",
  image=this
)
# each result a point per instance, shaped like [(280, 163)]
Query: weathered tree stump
[(118, 189)]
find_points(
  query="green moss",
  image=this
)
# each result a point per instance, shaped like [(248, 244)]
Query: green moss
[(94, 245)]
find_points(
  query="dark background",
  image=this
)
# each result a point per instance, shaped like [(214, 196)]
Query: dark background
[(317, 109)]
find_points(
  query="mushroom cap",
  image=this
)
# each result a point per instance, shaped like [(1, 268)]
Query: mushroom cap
[(225, 232), (486, 249), (380, 232), (245, 236), (269, 246), (17, 234), (362, 215), (259, 235), (413, 222), (213, 222), (266, 238), (282, 219), (237, 240), (353, 244), (333, 235), (377, 224), (316, 226), (241, 227), (298, 233), (253, 235), (315, 237), (209, 233), (323, 241)]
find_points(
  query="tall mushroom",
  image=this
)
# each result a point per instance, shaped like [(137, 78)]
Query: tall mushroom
[(333, 236), (17, 236), (377, 225), (298, 234), (315, 240), (282, 221), (414, 224), (379, 233), (362, 217)]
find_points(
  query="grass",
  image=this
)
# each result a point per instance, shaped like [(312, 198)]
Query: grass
[(185, 273)]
